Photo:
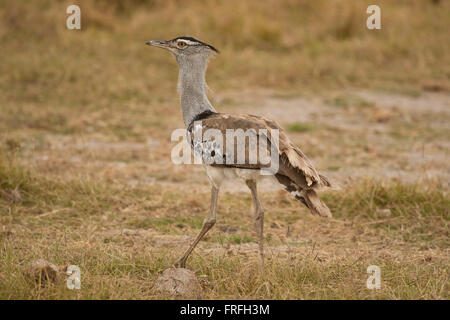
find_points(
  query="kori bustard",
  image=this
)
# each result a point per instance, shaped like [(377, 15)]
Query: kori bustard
[(295, 172)]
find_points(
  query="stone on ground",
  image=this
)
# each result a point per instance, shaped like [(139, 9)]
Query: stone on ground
[(179, 283), (44, 271)]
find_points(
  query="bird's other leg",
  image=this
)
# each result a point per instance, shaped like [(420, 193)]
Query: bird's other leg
[(208, 223), (258, 219)]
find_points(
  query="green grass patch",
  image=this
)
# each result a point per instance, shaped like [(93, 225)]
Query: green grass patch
[(238, 239), (302, 127)]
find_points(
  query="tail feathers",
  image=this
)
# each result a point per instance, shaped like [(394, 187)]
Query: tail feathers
[(312, 201), (308, 197), (324, 181)]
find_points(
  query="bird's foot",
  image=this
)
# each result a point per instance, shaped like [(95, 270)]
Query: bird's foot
[(180, 263)]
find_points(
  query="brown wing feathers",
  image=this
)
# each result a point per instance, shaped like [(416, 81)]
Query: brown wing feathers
[(295, 173)]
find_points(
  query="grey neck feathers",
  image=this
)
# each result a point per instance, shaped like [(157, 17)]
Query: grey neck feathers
[(192, 86)]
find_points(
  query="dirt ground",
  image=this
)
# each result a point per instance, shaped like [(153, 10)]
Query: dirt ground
[(348, 135)]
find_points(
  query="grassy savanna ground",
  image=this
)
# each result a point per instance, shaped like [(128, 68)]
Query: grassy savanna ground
[(85, 170)]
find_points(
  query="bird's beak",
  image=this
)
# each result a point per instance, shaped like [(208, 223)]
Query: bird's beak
[(159, 43)]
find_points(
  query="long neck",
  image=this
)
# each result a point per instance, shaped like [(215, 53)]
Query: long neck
[(192, 86)]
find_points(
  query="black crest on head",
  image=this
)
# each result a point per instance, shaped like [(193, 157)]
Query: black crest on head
[(196, 40)]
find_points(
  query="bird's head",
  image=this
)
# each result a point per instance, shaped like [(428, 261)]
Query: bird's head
[(184, 46)]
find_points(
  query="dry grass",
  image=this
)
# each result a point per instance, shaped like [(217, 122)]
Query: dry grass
[(122, 238), (86, 117)]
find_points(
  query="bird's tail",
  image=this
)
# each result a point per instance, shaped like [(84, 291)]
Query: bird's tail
[(308, 197), (312, 201)]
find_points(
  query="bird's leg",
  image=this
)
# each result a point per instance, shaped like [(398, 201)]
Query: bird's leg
[(208, 223), (258, 219)]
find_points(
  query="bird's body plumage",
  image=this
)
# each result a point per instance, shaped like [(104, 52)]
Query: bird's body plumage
[(295, 172)]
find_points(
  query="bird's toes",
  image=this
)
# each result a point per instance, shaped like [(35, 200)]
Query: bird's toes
[(180, 264)]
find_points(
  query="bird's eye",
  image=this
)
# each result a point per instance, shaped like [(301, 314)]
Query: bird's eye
[(181, 44)]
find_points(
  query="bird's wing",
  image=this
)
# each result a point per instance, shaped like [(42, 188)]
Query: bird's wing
[(292, 162)]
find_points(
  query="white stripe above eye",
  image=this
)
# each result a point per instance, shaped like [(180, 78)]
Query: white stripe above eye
[(189, 42)]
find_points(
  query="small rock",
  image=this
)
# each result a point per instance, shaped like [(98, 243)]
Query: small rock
[(384, 213), (13, 196), (45, 271), (180, 283), (382, 115), (129, 232)]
